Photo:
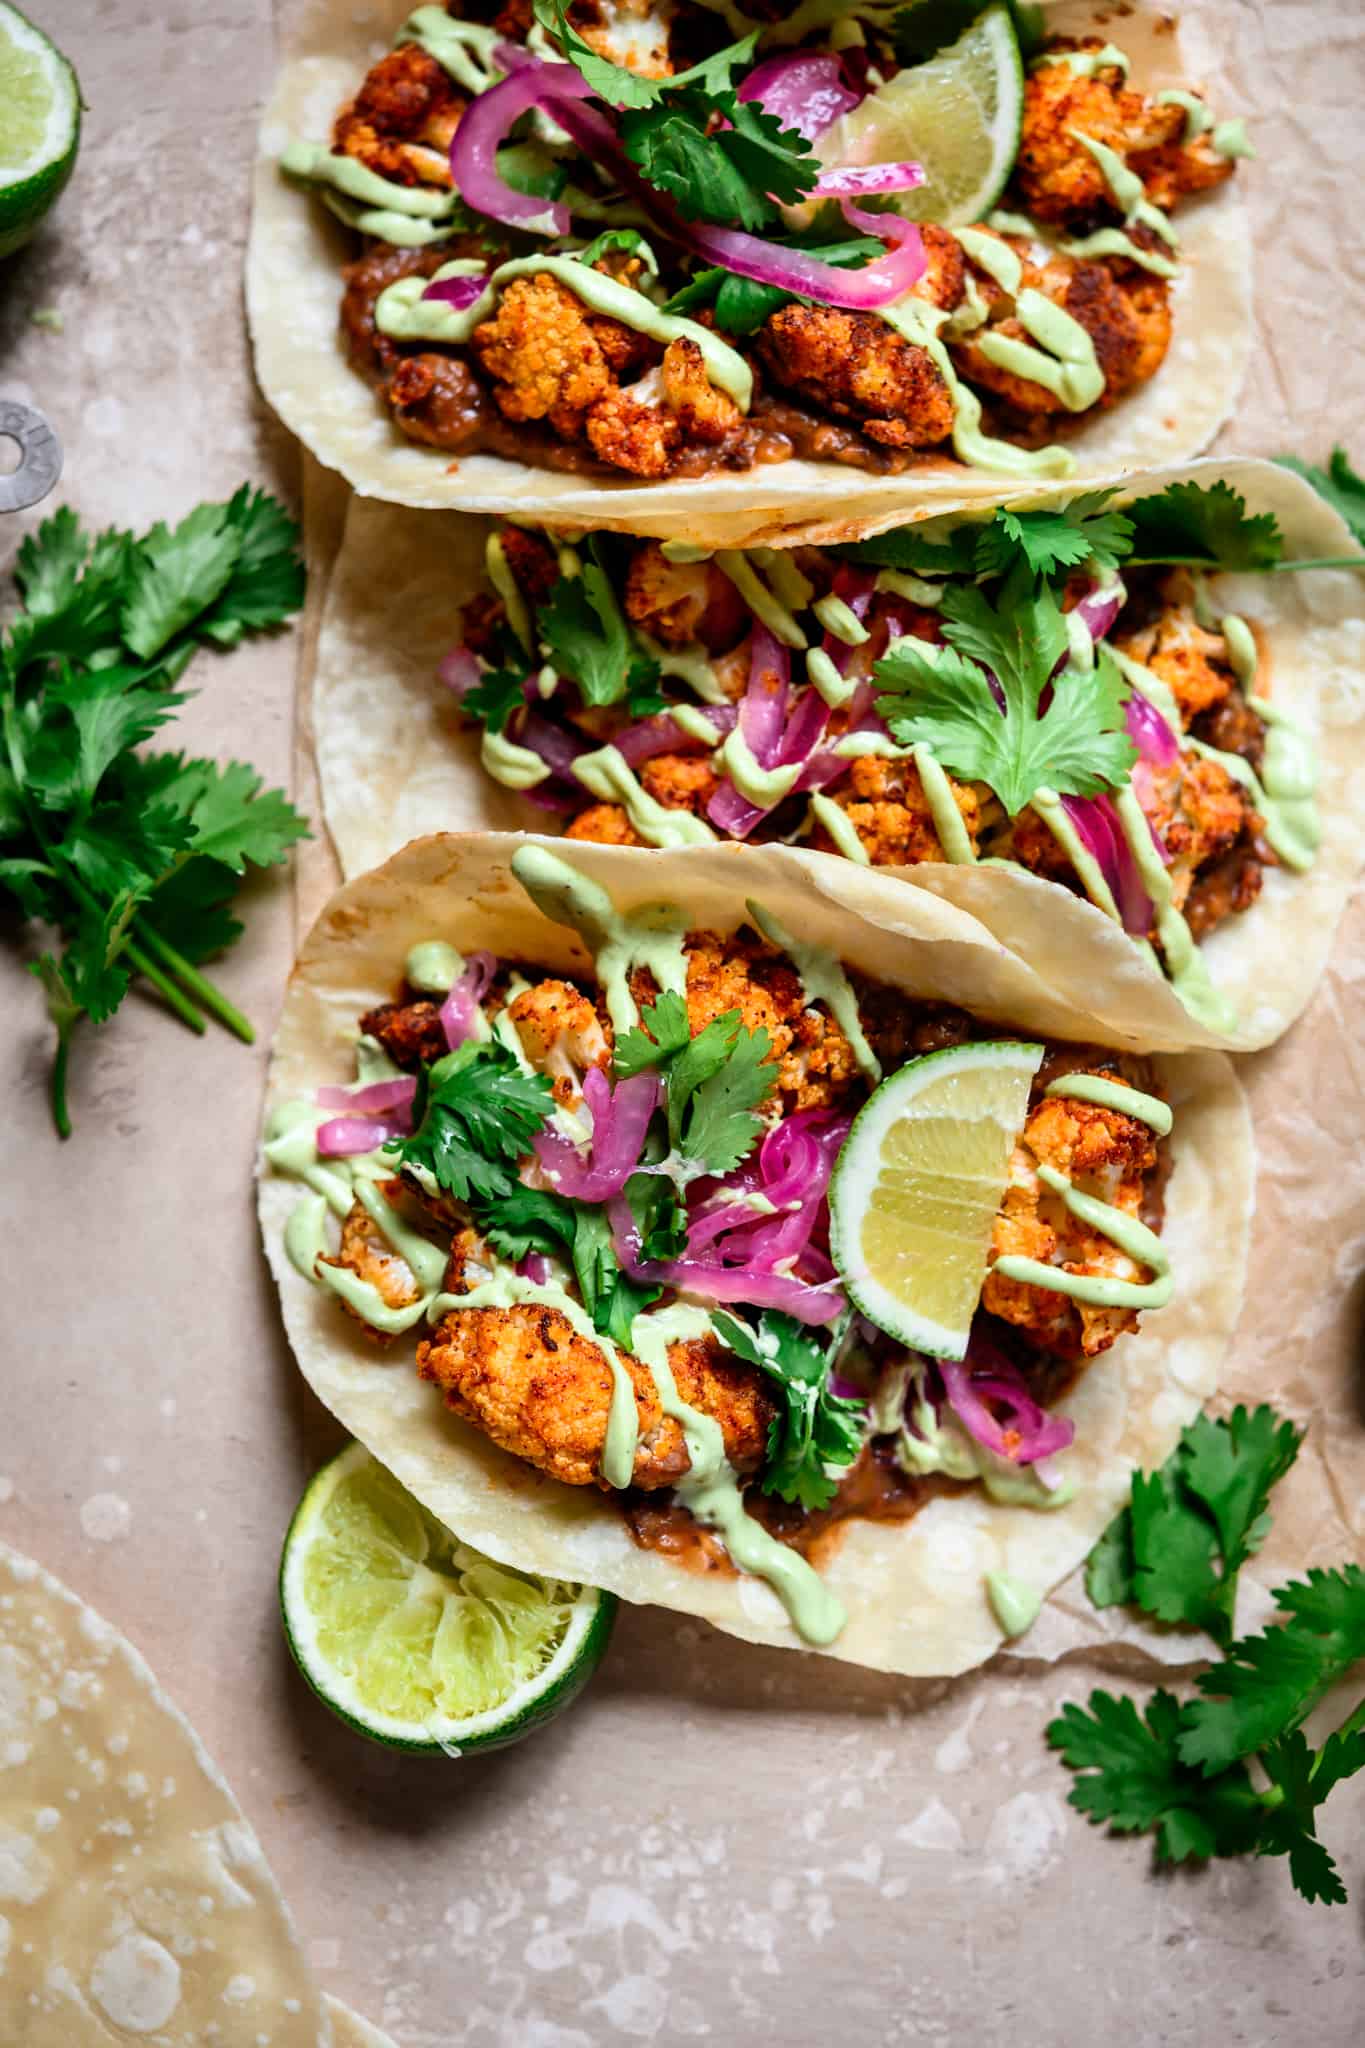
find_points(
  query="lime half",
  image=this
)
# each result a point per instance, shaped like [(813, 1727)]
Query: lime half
[(40, 126), (414, 1638), (958, 114), (917, 1186)]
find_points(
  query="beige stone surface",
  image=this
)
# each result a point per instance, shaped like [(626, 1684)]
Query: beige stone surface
[(719, 1843)]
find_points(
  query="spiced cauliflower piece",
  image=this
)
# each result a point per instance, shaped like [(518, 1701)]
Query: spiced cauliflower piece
[(885, 803), (680, 782), (606, 824), (366, 1252), (551, 359), (1192, 660), (858, 367), (1056, 176), (560, 1033), (401, 121), (542, 1391), (1103, 1153), (814, 1060)]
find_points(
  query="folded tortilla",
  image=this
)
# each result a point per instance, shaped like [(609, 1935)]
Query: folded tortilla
[(294, 289), (396, 759), (915, 1592)]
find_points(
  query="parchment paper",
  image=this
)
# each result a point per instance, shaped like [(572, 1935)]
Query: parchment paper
[(717, 1845)]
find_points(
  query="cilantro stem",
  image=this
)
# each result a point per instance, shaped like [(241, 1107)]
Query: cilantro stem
[(148, 969), (211, 998), (1270, 568), (61, 1115), (1323, 562)]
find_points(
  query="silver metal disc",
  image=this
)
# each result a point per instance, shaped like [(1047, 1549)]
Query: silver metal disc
[(40, 456)]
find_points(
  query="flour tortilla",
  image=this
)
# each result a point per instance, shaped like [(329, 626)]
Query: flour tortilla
[(135, 1901), (915, 1593), (294, 289), (396, 759)]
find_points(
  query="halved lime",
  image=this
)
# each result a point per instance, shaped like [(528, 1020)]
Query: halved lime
[(40, 126), (958, 114), (414, 1638), (917, 1186)]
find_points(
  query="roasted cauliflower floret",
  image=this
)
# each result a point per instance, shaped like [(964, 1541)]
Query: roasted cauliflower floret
[(633, 433), (1056, 176), (400, 123), (561, 1034), (885, 803), (815, 1063), (607, 824), (365, 1252), (678, 603), (548, 358), (1127, 319), (1192, 660), (1200, 811), (703, 413), (858, 367), (680, 782), (528, 1380), (1103, 1153)]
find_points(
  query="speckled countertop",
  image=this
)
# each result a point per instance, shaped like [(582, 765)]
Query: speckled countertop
[(720, 1843)]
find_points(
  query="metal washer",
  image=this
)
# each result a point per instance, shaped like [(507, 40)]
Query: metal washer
[(40, 456)]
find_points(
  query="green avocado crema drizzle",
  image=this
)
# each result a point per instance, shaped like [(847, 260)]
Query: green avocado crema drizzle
[(463, 48), (1103, 242), (1069, 368), (920, 323), (650, 937), (406, 215), (823, 981), (607, 774), (1015, 1604), (1285, 792), (404, 314), (1129, 192), (1131, 1235)]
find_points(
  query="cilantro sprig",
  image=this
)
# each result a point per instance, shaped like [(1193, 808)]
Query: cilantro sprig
[(712, 1083), (716, 156), (1181, 1770), (944, 697), (588, 638), (814, 1427), (133, 856), (1341, 485)]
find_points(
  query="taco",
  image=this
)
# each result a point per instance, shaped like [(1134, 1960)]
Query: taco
[(653, 295), (794, 1258), (1165, 824)]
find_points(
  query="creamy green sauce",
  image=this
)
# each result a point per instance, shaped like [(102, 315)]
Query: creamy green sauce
[(1069, 368), (1289, 778), (650, 937), (1240, 641), (794, 588), (1230, 139), (509, 590), (463, 48), (764, 603), (1198, 119), (710, 1490), (291, 1147), (691, 665), (1134, 1102), (762, 786), (1048, 806), (400, 230), (919, 323), (305, 1234), (1015, 1604), (936, 1445), (1103, 242), (689, 718), (824, 981), (1185, 966), (404, 314), (840, 620), (915, 588), (1128, 191), (837, 823), (836, 690), (1085, 63), (1100, 1290), (938, 794), (433, 967), (515, 767), (684, 551), (609, 775), (355, 181)]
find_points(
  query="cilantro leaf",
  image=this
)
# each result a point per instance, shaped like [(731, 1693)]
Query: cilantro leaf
[(917, 553), (659, 1216), (732, 175), (1080, 531), (234, 821), (525, 1220), (813, 1427), (1231, 1466), (1268, 1683), (266, 583), (943, 697), (479, 1115), (585, 632), (1205, 526), (1131, 1776), (1339, 484), (178, 573), (611, 1297), (1303, 1780), (1110, 1569), (1173, 1555), (721, 1129), (622, 88), (190, 909), (644, 696), (663, 1030), (497, 694)]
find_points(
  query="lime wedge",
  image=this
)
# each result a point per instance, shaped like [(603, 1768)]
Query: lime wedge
[(414, 1638), (918, 1184), (40, 126), (958, 114)]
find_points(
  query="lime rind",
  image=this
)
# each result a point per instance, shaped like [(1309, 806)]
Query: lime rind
[(959, 114), (863, 1160), (40, 129), (380, 1602)]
